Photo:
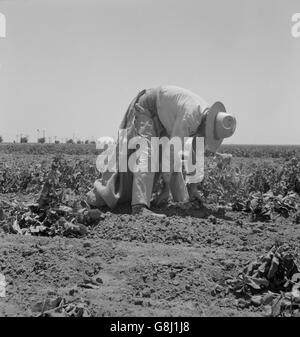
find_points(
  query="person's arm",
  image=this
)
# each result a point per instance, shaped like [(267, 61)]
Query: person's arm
[(184, 126)]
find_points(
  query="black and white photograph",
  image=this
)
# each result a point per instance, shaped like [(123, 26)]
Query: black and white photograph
[(149, 161)]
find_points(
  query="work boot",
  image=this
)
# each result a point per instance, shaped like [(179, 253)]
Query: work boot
[(146, 212)]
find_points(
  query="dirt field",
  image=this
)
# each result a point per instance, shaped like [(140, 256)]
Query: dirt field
[(131, 266)]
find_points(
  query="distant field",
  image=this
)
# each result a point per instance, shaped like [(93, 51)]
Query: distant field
[(248, 151), (273, 151), (40, 149)]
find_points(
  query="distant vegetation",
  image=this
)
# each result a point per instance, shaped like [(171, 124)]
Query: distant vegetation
[(262, 151), (59, 148), (42, 140), (89, 147)]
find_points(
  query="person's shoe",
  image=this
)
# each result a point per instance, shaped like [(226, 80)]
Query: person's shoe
[(146, 212)]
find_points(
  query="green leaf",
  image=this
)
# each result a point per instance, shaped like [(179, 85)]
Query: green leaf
[(296, 278), (276, 308), (268, 298), (260, 281), (273, 268)]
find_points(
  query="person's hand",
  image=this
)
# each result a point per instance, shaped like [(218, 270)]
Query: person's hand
[(163, 196), (194, 193)]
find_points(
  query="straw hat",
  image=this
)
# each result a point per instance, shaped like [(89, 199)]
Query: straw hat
[(219, 125)]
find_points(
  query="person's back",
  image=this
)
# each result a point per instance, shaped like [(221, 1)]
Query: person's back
[(181, 105)]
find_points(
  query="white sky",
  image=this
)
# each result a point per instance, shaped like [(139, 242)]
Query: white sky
[(72, 67)]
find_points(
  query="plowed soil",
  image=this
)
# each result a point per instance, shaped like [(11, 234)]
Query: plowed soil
[(144, 267)]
